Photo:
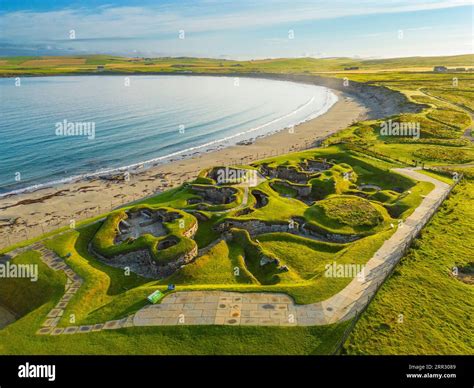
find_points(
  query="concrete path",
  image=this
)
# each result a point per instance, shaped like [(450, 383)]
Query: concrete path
[(259, 308)]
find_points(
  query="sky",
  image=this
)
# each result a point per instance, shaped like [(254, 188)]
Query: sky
[(238, 29)]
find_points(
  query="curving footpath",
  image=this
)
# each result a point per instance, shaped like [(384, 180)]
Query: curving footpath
[(261, 308)]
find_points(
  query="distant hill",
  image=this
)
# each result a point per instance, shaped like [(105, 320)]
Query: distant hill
[(48, 65)]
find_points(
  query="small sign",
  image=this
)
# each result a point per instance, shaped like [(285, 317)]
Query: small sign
[(155, 297), (171, 287)]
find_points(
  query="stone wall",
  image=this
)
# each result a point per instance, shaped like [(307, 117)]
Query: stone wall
[(282, 172), (217, 195), (141, 262), (302, 190), (256, 227), (191, 231)]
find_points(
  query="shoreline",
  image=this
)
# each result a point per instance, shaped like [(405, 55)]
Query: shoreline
[(245, 136), (27, 215)]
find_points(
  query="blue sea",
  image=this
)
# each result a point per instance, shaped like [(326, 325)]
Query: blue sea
[(61, 129)]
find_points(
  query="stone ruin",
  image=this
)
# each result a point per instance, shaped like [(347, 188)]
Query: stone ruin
[(144, 221), (141, 263), (286, 173), (302, 191), (369, 186), (232, 175), (265, 260), (307, 170), (261, 198), (297, 226), (150, 221), (316, 165), (213, 195)]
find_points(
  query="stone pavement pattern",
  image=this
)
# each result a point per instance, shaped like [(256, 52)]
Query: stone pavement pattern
[(73, 284)]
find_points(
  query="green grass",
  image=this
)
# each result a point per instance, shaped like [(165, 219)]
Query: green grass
[(218, 266), (185, 340), (409, 153), (451, 117), (284, 190), (306, 257), (21, 295), (102, 283), (443, 155), (347, 214), (14, 65), (409, 201), (436, 307), (104, 239), (205, 233)]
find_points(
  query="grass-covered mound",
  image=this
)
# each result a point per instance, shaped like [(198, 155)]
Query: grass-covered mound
[(454, 118), (104, 240), (385, 196), (277, 209), (210, 197), (21, 295), (440, 154), (223, 264), (284, 189), (253, 253), (303, 256), (408, 201), (337, 180), (347, 214)]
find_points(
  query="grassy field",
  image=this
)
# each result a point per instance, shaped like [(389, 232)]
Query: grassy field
[(423, 308), (111, 293), (21, 295), (179, 340), (436, 308), (11, 66)]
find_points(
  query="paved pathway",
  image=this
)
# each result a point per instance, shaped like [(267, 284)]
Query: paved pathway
[(259, 308)]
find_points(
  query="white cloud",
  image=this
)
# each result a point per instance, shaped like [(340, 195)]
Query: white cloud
[(153, 22)]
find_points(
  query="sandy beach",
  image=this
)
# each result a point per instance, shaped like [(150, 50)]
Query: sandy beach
[(28, 215)]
